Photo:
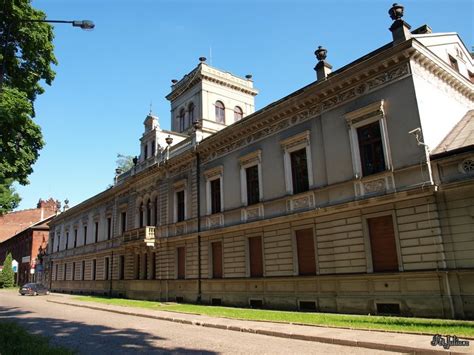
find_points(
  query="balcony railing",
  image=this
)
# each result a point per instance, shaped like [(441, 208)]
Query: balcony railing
[(143, 234)]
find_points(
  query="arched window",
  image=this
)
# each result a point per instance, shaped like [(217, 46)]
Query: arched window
[(181, 119), (141, 214), (220, 112), (238, 113), (190, 114), (148, 213), (157, 212)]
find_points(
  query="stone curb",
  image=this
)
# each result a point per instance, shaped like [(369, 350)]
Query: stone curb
[(319, 339)]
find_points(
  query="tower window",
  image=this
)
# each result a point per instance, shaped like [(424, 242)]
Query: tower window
[(238, 113), (454, 63), (181, 118), (190, 114), (220, 112)]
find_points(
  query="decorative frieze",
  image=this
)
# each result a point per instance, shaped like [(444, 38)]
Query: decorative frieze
[(381, 183), (252, 212), (260, 130), (300, 202)]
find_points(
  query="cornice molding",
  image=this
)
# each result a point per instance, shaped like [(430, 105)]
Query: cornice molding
[(295, 113)]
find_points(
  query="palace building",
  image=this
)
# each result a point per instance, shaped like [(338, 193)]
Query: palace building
[(353, 194)]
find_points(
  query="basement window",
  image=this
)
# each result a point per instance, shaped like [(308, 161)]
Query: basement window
[(256, 303), (308, 306), (392, 309), (216, 302)]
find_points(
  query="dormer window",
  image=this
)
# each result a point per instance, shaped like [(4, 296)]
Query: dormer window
[(190, 114), (238, 113), (454, 63), (220, 112), (181, 118)]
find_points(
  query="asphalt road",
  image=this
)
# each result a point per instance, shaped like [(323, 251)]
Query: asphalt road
[(89, 331)]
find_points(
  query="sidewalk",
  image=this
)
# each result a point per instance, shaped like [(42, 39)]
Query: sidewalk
[(407, 343)]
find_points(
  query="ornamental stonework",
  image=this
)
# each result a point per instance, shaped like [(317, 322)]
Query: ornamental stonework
[(396, 73)]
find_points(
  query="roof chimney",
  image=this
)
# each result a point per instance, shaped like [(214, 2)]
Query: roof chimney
[(323, 68), (400, 29)]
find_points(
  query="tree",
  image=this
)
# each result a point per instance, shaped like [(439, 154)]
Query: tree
[(7, 276), (26, 58), (124, 162)]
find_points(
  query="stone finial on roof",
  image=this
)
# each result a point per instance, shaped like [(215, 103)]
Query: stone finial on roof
[(323, 68)]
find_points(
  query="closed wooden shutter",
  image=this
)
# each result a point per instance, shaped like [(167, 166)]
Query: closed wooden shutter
[(217, 260), (256, 257), (305, 248), (181, 263), (382, 243)]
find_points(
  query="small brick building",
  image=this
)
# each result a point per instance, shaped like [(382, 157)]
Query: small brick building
[(15, 222), (25, 235)]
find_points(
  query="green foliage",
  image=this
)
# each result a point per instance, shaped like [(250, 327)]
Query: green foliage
[(14, 339), (399, 324), (26, 51), (124, 162), (7, 276)]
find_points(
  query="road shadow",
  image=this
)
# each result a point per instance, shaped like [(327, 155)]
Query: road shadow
[(86, 339)]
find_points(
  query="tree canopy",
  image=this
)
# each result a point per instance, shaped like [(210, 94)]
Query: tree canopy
[(26, 58)]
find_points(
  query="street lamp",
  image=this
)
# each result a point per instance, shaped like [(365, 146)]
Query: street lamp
[(86, 25)]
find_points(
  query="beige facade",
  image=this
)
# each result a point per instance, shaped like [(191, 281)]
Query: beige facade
[(326, 199)]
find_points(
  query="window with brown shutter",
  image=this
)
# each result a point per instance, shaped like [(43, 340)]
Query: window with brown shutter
[(305, 250), (217, 260), (181, 263), (256, 257), (382, 244)]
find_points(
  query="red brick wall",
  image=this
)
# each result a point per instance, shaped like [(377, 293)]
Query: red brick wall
[(14, 222)]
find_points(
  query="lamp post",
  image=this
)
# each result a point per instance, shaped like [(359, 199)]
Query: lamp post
[(84, 25)]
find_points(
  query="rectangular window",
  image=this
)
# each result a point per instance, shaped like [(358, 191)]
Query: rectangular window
[(145, 148), (153, 148), (215, 196), (109, 228), (59, 242), (181, 262), (299, 171), (145, 266), (56, 272), (180, 205), (305, 251), (382, 244), (65, 271), (75, 238), (454, 63), (123, 221), (83, 270), (253, 193), (217, 260), (96, 235), (256, 257), (122, 267), (137, 267), (106, 269), (73, 271), (85, 235), (94, 269), (371, 148), (153, 266), (67, 240)]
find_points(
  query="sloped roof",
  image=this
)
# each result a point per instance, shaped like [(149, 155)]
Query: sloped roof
[(462, 135)]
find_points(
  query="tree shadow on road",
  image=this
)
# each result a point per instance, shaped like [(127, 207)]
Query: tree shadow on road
[(86, 338)]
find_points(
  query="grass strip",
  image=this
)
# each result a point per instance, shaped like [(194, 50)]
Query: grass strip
[(387, 323), (14, 340)]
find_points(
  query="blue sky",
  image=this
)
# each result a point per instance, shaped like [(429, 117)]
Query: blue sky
[(107, 78)]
